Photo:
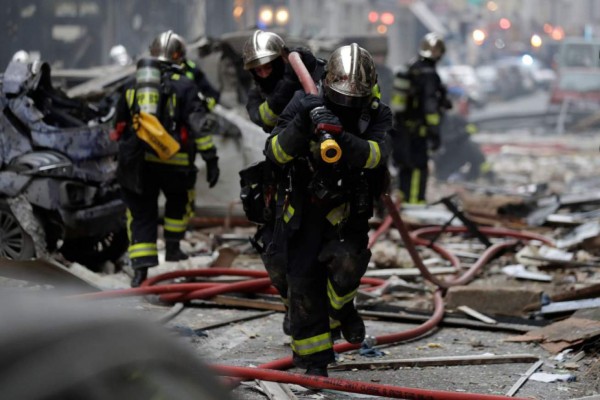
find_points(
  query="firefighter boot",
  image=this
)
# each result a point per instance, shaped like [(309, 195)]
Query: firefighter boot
[(287, 325), (316, 371), (139, 276), (353, 328), (173, 252)]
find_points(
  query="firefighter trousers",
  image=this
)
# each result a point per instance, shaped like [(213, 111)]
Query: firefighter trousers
[(142, 213), (413, 169), (325, 264)]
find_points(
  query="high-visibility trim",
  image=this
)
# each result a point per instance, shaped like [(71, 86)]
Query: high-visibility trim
[(190, 63), (205, 143), (280, 155), (177, 159), (485, 167), (268, 117), (432, 119), (211, 102), (471, 128), (401, 83), (376, 91), (189, 207), (139, 250), (336, 301), (338, 214), (334, 323), (175, 77), (175, 225), (189, 75), (398, 102), (312, 345), (130, 96), (128, 223), (415, 183), (288, 213), (374, 155)]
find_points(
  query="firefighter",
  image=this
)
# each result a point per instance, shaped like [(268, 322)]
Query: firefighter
[(418, 102), (162, 92), (265, 56), (171, 46), (332, 150)]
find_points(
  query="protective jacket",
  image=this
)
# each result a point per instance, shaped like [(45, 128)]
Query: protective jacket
[(266, 102), (322, 214), (208, 91), (143, 174)]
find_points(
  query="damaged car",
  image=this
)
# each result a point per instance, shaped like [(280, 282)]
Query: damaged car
[(58, 190)]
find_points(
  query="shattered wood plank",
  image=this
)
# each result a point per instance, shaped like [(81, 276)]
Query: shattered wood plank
[(439, 361), (513, 390), (277, 391), (248, 303), (556, 263), (447, 321), (476, 314), (236, 319), (408, 272)]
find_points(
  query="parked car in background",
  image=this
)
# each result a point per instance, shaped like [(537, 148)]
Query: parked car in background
[(578, 87), (464, 76), (534, 74)]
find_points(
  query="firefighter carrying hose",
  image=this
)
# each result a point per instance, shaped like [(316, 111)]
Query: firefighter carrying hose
[(418, 102), (160, 127), (265, 55), (323, 207)]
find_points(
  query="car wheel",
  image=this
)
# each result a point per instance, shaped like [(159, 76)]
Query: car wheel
[(94, 251), (15, 243)]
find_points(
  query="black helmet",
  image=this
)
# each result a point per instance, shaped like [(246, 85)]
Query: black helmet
[(350, 77), (168, 46)]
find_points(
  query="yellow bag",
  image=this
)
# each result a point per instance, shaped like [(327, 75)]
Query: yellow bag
[(150, 130)]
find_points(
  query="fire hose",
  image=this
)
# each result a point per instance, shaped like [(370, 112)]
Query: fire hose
[(329, 148), (259, 282)]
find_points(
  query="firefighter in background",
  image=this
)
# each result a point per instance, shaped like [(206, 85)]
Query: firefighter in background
[(324, 201), (161, 91), (418, 103), (170, 46), (265, 56), (460, 158)]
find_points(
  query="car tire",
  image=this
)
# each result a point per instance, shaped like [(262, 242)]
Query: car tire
[(15, 243)]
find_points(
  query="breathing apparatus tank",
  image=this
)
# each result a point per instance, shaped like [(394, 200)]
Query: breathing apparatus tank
[(148, 76)]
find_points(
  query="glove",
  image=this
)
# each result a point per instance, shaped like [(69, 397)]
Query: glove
[(434, 141), (212, 171), (210, 123), (324, 120), (311, 101)]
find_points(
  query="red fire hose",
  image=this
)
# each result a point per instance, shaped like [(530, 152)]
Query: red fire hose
[(374, 389), (259, 282)]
